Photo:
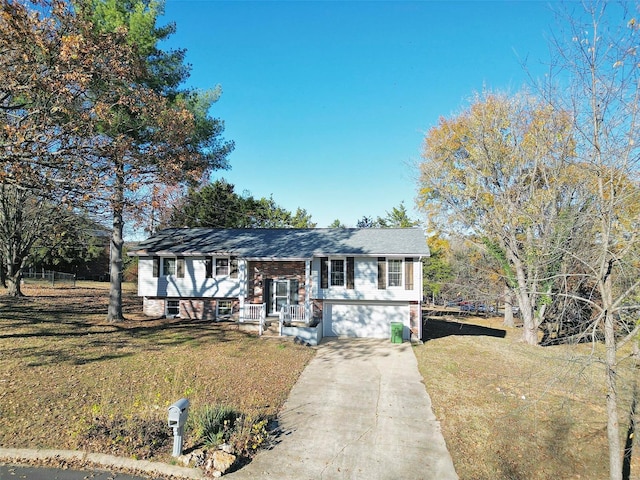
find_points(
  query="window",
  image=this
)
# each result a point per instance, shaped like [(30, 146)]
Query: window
[(168, 266), (172, 266), (337, 273), (395, 273), (224, 308), (173, 308), (222, 266)]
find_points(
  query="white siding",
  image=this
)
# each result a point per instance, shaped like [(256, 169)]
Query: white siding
[(366, 283), (194, 283)]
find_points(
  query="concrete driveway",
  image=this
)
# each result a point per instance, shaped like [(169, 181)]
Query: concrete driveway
[(358, 411)]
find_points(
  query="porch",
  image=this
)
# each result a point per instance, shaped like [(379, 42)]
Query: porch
[(292, 321)]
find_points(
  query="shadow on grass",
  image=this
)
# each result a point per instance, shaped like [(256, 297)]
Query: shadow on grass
[(434, 329), (76, 333)]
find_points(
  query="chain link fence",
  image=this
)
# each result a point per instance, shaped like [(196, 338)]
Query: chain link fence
[(48, 277)]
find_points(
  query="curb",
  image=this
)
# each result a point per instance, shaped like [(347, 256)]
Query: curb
[(101, 460)]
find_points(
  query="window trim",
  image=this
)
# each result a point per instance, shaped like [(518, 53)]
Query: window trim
[(168, 307), (334, 272), (177, 266), (230, 308), (397, 274), (211, 267), (226, 267), (169, 261)]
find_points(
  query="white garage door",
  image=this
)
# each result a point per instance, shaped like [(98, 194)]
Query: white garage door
[(357, 320)]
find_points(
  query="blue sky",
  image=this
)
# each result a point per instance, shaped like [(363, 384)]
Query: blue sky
[(328, 102)]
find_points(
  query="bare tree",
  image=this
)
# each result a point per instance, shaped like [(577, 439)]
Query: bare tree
[(596, 76)]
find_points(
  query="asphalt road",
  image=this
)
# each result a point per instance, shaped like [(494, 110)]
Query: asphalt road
[(10, 472)]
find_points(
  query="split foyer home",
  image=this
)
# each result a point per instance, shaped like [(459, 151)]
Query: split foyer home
[(349, 282)]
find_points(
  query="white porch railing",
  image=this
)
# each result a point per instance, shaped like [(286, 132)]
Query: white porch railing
[(293, 313), (253, 312)]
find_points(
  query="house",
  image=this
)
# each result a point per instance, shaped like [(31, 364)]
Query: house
[(352, 282)]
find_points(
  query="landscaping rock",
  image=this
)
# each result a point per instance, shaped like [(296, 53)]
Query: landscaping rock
[(222, 461)]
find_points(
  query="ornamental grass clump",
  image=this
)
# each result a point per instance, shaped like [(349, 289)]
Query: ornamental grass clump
[(214, 425)]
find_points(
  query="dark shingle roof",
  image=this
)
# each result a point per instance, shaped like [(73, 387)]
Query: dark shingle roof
[(285, 243)]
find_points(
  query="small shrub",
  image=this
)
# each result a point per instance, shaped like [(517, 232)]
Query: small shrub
[(213, 424), (249, 435)]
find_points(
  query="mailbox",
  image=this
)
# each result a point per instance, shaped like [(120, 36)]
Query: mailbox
[(178, 413)]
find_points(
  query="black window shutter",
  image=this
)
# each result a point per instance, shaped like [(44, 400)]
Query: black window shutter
[(350, 273), (382, 273), (208, 265), (408, 273), (156, 267), (324, 272), (233, 267), (180, 267), (266, 294), (294, 285)]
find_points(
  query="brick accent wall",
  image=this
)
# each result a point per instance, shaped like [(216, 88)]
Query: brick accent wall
[(415, 317), (191, 308), (153, 307), (260, 272)]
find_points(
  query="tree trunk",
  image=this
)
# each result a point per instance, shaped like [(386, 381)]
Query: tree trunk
[(14, 281), (613, 424), (611, 364), (508, 307), (114, 313)]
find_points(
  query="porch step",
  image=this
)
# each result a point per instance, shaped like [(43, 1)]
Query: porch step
[(272, 329)]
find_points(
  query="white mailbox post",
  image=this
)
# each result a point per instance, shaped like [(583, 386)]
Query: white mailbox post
[(178, 413)]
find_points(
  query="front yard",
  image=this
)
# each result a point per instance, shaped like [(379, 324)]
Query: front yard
[(513, 411), (69, 379)]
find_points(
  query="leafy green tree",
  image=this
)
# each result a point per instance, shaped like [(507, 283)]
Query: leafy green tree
[(302, 219), (397, 218), (213, 206), (217, 205), (367, 222), (73, 244), (337, 224), (165, 137)]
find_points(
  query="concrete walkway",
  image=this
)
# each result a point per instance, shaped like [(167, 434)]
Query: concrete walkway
[(358, 411)]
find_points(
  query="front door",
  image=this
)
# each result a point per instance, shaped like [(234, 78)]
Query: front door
[(280, 294)]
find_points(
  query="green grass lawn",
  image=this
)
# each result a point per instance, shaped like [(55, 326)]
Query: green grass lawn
[(69, 379)]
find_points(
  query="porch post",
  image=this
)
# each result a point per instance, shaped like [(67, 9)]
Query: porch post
[(243, 285), (307, 291)]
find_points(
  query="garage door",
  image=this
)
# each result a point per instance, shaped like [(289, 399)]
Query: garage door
[(357, 320)]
